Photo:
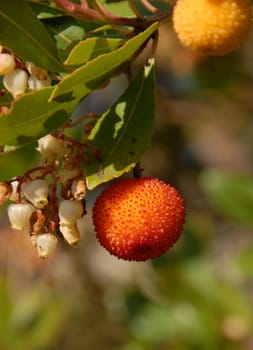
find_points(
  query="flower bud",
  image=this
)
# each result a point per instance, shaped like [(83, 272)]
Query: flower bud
[(14, 194), (36, 191), (37, 72), (5, 191), (46, 244), (7, 63), (70, 233), (50, 147), (78, 189), (19, 215), (70, 211), (16, 82), (35, 84)]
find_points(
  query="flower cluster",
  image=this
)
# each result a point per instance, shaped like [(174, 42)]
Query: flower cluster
[(19, 76), (49, 200)]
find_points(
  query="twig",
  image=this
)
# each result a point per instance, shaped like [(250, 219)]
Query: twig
[(79, 11), (87, 14), (149, 6), (80, 119), (102, 10), (135, 9)]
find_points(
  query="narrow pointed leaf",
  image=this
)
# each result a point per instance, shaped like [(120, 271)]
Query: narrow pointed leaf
[(123, 133), (85, 79), (31, 117), (91, 48), (22, 33)]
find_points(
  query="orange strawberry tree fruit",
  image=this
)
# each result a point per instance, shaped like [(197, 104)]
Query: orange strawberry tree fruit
[(55, 53)]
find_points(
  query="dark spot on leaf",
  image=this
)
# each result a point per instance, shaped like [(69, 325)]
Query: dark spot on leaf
[(55, 120), (132, 153), (134, 139), (64, 97), (22, 139)]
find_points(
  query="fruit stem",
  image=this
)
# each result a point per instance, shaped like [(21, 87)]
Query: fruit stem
[(137, 171)]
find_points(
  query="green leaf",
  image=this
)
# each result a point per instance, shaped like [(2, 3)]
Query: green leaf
[(6, 99), (67, 31), (84, 79), (18, 161), (44, 12), (31, 117), (22, 33), (91, 48), (123, 133), (230, 194), (119, 8)]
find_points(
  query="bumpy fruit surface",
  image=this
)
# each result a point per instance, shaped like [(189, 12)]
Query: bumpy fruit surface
[(212, 27), (138, 219)]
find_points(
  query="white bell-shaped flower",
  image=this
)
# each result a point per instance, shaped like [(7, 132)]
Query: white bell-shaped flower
[(36, 71), (19, 215), (70, 233), (36, 84), (46, 244), (51, 147), (36, 191), (70, 211), (16, 82), (7, 63)]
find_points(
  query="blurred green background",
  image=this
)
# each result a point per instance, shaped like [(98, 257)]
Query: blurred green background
[(199, 296)]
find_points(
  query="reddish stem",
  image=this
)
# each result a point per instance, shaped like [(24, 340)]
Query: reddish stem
[(149, 6), (82, 118), (54, 201), (87, 14)]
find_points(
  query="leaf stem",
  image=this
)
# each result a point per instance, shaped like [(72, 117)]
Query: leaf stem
[(149, 6), (99, 14), (102, 10), (135, 9)]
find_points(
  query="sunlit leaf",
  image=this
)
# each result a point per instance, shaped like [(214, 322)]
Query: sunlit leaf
[(84, 79), (119, 8), (31, 116), (67, 32), (91, 48), (123, 133)]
